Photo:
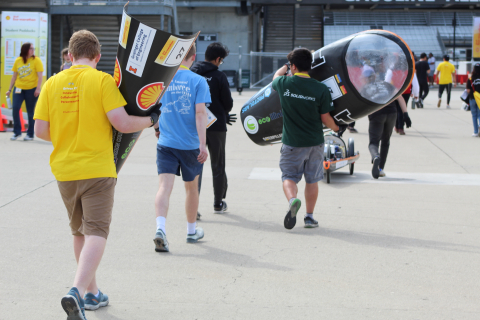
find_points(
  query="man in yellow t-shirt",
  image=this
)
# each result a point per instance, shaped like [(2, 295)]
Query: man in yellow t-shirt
[(447, 73), (76, 110)]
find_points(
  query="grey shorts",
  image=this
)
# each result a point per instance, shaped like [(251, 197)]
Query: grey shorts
[(298, 161)]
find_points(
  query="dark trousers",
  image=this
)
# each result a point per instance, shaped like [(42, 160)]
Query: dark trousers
[(379, 131), (400, 122), (216, 148), (30, 102), (423, 90), (441, 88)]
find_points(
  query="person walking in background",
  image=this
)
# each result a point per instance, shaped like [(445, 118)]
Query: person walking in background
[(181, 147), (412, 91), (303, 142), (82, 158), (431, 63), (380, 129), (27, 81), (422, 69), (447, 74), (222, 104), (474, 79), (66, 63)]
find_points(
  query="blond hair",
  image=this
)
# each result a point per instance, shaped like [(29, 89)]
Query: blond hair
[(191, 52), (84, 44)]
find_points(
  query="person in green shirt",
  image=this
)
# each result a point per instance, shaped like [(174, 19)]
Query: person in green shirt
[(306, 104)]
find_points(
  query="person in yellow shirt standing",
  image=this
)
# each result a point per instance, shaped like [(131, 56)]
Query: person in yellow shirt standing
[(76, 111), (27, 80), (447, 74)]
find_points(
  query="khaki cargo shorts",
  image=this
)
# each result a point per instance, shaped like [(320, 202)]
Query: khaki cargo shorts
[(89, 204)]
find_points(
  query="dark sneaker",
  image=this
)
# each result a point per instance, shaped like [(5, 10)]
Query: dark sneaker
[(310, 222), (193, 238), (93, 303), (160, 240), (375, 168), (27, 138), (291, 217), (15, 137), (198, 215), (73, 305), (352, 130), (221, 208)]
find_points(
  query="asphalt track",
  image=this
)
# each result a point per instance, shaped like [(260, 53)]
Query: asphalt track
[(402, 247)]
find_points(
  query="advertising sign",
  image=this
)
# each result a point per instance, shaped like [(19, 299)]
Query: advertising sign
[(147, 60), (476, 37), (17, 29)]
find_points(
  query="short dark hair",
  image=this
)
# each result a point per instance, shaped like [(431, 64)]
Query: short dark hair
[(446, 57), (476, 72), (301, 58), (423, 55), (216, 50)]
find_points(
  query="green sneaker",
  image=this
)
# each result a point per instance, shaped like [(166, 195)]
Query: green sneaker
[(93, 303), (193, 238), (310, 222), (291, 217), (160, 240)]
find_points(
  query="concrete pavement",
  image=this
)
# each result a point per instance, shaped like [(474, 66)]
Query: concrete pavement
[(401, 247)]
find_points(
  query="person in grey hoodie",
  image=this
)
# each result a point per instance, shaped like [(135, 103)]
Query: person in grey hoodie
[(221, 105)]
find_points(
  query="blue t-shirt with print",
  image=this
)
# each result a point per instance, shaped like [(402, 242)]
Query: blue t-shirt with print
[(178, 127)]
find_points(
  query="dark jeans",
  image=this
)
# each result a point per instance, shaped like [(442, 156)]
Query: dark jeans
[(30, 102), (423, 90), (216, 148), (379, 131), (400, 122), (441, 88)]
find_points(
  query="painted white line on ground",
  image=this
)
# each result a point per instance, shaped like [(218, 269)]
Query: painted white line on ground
[(447, 179)]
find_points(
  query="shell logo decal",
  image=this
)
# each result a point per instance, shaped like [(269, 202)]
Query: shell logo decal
[(148, 95), (117, 74)]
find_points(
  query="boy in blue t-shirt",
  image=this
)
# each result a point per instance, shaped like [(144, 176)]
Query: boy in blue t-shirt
[(181, 146)]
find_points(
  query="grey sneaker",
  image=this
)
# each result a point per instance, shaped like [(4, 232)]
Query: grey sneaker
[(381, 174), (160, 240), (291, 217), (448, 107), (27, 138), (220, 209), (193, 238), (15, 137), (93, 303), (310, 222)]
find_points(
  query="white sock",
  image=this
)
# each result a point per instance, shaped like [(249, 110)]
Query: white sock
[(98, 294), (191, 227), (291, 200), (161, 223), (310, 215)]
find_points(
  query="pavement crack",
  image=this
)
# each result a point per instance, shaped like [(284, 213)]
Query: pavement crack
[(23, 195), (441, 150)]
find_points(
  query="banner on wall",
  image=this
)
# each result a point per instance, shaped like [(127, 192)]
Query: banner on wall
[(147, 60), (17, 29), (476, 37)]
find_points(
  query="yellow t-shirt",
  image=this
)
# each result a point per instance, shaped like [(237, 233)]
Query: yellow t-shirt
[(76, 102), (27, 77), (446, 69)]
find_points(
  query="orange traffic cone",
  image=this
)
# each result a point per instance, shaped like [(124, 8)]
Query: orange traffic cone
[(22, 121), (1, 120)]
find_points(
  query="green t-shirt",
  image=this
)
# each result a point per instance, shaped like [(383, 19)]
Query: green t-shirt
[(303, 101)]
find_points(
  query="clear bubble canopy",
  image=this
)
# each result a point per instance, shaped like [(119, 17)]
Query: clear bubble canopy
[(377, 67)]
